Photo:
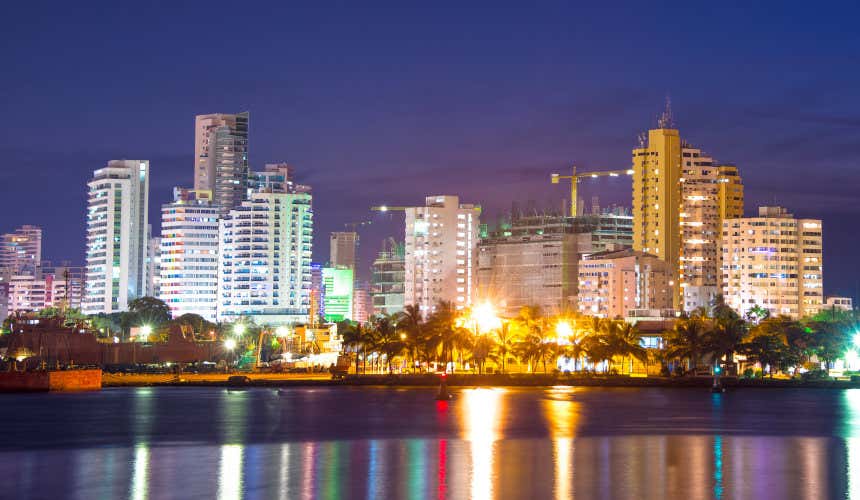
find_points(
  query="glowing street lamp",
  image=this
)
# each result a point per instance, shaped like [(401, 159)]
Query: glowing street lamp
[(563, 330), (484, 318), (282, 331), (239, 329), (230, 344), (145, 332)]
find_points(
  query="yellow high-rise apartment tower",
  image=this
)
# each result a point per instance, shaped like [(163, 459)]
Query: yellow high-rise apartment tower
[(680, 198)]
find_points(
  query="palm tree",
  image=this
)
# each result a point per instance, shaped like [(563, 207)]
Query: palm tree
[(387, 337), (481, 349), (444, 334), (530, 320), (725, 337), (505, 344), (356, 337), (686, 341), (596, 348), (410, 323), (623, 340)]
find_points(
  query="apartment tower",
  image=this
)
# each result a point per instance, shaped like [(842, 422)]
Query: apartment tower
[(441, 261), (117, 207), (189, 254), (221, 158)]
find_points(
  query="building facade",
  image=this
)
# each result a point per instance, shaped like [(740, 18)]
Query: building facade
[(531, 270), (774, 261), (264, 262), (21, 250), (343, 245), (153, 267), (441, 253), (362, 303), (221, 158), (839, 304), (613, 284), (188, 268), (117, 220), (680, 198), (710, 193), (60, 287), (338, 283), (388, 274)]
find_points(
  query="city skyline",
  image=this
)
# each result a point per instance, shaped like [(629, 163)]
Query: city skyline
[(480, 133)]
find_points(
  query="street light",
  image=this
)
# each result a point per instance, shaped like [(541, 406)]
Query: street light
[(229, 344), (145, 331), (239, 329), (484, 318), (563, 330), (282, 331)]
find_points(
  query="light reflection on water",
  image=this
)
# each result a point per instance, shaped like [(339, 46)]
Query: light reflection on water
[(486, 443)]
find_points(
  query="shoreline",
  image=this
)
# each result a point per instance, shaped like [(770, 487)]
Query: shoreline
[(464, 380)]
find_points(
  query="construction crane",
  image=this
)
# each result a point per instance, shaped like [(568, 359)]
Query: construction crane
[(574, 180), (353, 226)]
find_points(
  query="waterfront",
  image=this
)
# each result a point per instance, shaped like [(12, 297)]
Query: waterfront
[(339, 442)]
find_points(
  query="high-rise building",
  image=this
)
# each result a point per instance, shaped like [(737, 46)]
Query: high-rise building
[(221, 158), (317, 294), (615, 284), (189, 254), (388, 273), (342, 248), (773, 261), (533, 259), (117, 208), (264, 262), (532, 262), (153, 267), (709, 194), (680, 197), (441, 246), (339, 287), (277, 177), (21, 250), (362, 304)]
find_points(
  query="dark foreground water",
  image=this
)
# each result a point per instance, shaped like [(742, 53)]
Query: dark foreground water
[(343, 442)]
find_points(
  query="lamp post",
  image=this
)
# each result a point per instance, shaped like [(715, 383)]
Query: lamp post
[(230, 344)]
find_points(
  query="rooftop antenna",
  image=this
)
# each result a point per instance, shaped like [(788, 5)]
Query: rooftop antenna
[(666, 120)]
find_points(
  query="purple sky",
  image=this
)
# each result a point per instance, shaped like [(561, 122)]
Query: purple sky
[(387, 103)]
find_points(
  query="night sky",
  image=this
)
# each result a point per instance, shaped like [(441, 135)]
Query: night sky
[(386, 104)]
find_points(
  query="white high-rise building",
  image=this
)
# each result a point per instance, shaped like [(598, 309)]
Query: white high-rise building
[(773, 261), (189, 255), (264, 262), (117, 208), (221, 158), (441, 260)]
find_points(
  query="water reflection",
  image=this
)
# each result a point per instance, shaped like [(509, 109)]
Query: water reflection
[(481, 408), (484, 444), (852, 424), (560, 410)]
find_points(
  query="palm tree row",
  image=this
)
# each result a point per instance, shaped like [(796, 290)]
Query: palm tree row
[(776, 344), (531, 339)]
